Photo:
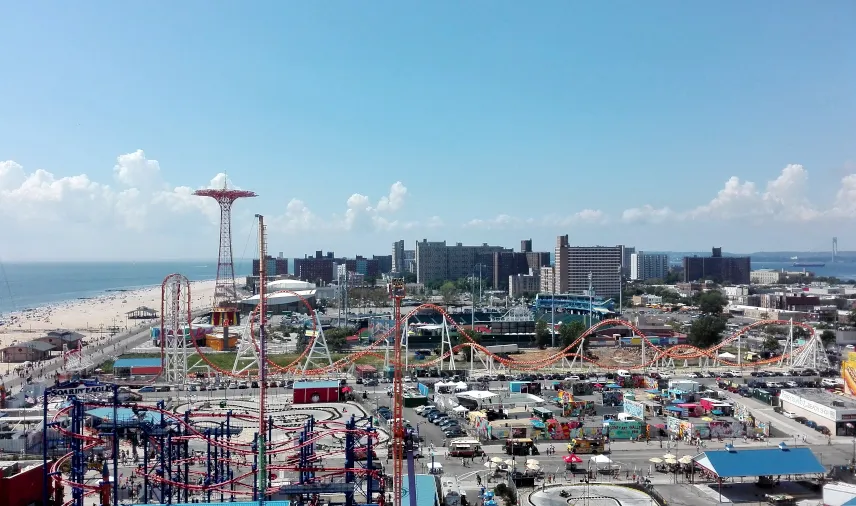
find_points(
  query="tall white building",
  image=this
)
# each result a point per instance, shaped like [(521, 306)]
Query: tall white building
[(626, 259), (435, 261), (604, 265), (648, 266)]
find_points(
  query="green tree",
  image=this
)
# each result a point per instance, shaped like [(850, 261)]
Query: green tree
[(337, 338), (706, 331), (771, 343), (827, 337), (542, 334), (449, 292), (409, 277), (711, 302), (570, 331), (466, 351)]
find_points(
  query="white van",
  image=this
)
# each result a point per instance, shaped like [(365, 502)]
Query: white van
[(621, 373)]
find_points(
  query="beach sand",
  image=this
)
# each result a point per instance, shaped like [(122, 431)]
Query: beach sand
[(95, 318)]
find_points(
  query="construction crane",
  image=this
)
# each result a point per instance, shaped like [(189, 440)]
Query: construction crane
[(396, 293)]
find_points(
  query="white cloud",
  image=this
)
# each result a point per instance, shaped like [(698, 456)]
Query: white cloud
[(505, 221), (646, 214), (360, 215)]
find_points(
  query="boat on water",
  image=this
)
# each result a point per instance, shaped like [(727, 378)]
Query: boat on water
[(809, 264)]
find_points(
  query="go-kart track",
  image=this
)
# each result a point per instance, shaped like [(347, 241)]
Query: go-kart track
[(207, 452)]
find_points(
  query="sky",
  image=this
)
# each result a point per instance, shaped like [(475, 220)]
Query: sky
[(662, 125)]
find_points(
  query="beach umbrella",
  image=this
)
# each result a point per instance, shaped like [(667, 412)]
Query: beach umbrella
[(671, 461), (496, 460), (509, 462), (572, 459), (491, 465), (532, 462), (707, 419), (533, 468), (669, 456), (686, 459), (655, 460)]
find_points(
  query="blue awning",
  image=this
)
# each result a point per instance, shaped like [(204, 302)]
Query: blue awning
[(675, 409), (538, 424), (760, 462)]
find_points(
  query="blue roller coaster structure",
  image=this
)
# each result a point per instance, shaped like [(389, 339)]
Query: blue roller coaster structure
[(165, 468)]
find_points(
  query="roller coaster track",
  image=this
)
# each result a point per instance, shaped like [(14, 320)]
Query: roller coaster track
[(331, 428)]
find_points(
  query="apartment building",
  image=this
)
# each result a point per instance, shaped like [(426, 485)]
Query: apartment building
[(398, 256), (561, 265), (734, 270), (437, 261), (627, 253), (648, 266), (524, 284), (603, 263), (273, 266), (319, 269), (547, 280), (766, 277)]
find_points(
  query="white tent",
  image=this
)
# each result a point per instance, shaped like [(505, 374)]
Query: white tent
[(460, 409), (725, 354), (461, 387)]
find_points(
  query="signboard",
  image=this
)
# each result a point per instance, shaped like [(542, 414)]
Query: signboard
[(82, 389), (810, 406), (627, 429), (423, 389), (634, 409)]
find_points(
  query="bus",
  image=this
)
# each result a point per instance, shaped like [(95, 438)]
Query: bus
[(465, 447)]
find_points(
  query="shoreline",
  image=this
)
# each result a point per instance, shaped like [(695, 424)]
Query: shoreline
[(96, 318)]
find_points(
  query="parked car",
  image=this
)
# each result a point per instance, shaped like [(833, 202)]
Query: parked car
[(788, 414)]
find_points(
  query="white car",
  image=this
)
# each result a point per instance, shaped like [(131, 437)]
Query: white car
[(788, 414)]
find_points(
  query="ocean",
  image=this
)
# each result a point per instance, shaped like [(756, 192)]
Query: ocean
[(28, 285), (840, 270)]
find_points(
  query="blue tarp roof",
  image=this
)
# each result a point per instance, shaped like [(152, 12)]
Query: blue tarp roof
[(760, 462), (426, 491), (137, 362), (316, 384), (125, 415)]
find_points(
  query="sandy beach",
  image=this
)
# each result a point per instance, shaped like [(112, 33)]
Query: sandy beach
[(95, 318)]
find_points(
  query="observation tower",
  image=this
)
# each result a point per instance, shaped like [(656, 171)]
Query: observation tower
[(225, 311)]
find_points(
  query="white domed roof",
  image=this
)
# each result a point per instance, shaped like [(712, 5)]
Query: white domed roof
[(290, 284)]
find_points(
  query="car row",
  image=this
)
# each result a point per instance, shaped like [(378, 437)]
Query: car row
[(450, 426)]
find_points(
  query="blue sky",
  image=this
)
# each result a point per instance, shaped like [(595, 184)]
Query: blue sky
[(503, 120)]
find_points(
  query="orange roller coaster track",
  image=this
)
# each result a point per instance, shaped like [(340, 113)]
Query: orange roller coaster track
[(658, 353)]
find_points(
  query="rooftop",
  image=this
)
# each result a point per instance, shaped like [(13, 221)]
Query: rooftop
[(137, 362), (824, 397), (316, 384), (760, 462), (36, 345), (426, 491), (124, 415)]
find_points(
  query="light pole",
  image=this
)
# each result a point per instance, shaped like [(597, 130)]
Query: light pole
[(553, 308), (591, 301)]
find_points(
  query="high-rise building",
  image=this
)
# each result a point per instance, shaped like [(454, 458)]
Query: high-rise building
[(398, 256), (561, 266), (719, 269), (547, 280), (523, 284), (626, 252), (648, 266), (435, 261), (319, 269), (384, 263), (273, 266), (604, 265), (505, 264), (410, 261), (526, 246)]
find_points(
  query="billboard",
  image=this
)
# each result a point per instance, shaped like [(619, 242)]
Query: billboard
[(634, 409)]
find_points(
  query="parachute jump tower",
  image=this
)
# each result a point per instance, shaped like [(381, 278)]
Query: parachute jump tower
[(225, 312), (396, 293)]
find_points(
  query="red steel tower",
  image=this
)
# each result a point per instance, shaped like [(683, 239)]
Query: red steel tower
[(396, 293), (225, 293)]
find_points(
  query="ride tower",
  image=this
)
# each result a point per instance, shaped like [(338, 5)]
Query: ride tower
[(225, 313), (397, 293), (175, 327)]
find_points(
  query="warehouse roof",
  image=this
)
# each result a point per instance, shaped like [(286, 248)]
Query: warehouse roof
[(125, 415), (783, 460), (137, 362), (316, 384)]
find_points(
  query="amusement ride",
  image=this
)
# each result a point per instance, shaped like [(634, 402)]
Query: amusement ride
[(196, 452)]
